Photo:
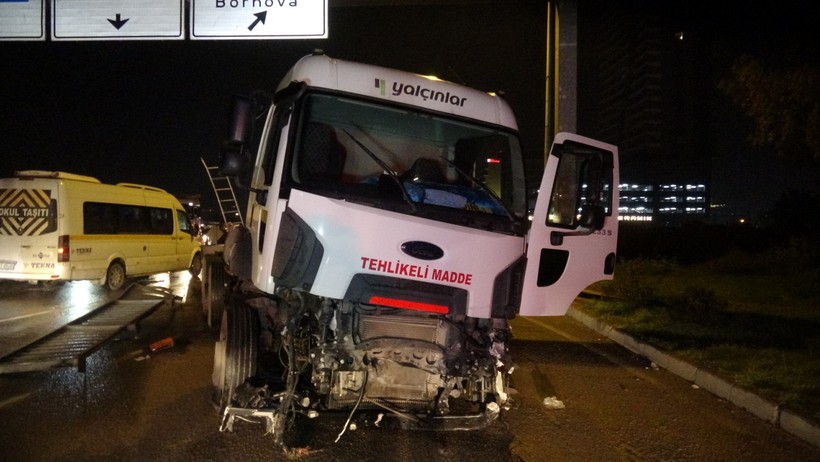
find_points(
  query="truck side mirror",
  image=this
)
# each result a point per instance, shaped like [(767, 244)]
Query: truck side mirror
[(241, 121), (232, 160), (232, 157)]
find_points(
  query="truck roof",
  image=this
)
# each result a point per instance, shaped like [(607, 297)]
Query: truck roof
[(429, 92)]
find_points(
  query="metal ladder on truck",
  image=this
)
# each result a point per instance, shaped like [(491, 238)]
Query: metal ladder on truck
[(225, 197), (213, 273)]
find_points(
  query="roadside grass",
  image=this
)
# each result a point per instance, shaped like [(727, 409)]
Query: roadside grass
[(753, 318)]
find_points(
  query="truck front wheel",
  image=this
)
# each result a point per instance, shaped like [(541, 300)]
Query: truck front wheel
[(235, 352)]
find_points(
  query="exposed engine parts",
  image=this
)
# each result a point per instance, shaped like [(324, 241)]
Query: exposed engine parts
[(314, 355)]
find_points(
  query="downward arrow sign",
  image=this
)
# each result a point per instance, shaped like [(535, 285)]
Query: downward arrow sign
[(259, 17), (118, 23)]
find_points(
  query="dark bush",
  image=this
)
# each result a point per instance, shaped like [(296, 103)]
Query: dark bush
[(631, 284), (697, 304)]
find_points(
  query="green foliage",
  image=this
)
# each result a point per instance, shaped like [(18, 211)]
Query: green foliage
[(738, 262), (784, 105), (749, 316), (798, 256), (797, 212), (783, 376), (634, 284), (697, 304)]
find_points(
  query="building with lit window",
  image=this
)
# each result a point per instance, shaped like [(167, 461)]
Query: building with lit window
[(642, 88), (663, 203)]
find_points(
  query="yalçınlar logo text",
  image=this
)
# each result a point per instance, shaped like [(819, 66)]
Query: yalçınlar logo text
[(426, 94)]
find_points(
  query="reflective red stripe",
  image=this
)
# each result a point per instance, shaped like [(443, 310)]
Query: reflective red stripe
[(409, 305)]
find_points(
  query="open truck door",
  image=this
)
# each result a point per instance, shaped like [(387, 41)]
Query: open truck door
[(572, 241)]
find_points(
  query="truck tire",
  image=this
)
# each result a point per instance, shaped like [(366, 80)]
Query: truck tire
[(115, 276), (213, 292), (235, 353)]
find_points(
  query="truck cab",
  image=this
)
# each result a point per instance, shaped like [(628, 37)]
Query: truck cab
[(387, 243)]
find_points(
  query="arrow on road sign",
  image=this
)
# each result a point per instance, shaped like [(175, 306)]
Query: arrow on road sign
[(118, 23), (259, 17)]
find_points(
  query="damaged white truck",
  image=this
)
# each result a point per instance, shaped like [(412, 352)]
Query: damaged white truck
[(386, 244)]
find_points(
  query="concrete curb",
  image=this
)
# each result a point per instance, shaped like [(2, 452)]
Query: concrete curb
[(787, 420)]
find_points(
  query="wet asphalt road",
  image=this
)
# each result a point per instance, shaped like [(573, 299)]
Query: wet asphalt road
[(128, 407)]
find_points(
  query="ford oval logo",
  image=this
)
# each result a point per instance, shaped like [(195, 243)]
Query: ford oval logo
[(422, 250)]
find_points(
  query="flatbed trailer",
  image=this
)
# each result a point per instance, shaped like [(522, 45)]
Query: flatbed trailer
[(70, 345)]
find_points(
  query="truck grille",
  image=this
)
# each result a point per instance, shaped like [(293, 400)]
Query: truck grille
[(408, 327)]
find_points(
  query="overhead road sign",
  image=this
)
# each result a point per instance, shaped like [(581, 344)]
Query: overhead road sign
[(22, 20), (117, 20), (258, 19)]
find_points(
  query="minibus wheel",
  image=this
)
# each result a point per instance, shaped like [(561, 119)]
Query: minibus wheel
[(115, 276), (196, 265)]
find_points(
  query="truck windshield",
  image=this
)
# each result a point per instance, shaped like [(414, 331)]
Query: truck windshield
[(408, 160)]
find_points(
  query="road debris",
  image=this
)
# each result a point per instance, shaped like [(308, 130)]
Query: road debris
[(553, 403)]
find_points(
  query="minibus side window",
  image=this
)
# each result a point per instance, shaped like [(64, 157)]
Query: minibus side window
[(101, 218), (132, 220), (162, 222), (184, 223)]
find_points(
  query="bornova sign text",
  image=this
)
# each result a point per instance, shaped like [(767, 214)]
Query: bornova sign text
[(258, 19)]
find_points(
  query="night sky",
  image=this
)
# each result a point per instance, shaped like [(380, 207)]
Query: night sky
[(747, 179), (146, 111)]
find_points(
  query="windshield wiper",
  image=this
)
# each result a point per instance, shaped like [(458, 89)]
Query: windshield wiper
[(483, 186), (389, 171)]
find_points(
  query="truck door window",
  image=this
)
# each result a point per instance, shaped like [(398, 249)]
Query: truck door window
[(584, 177), (281, 117)]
